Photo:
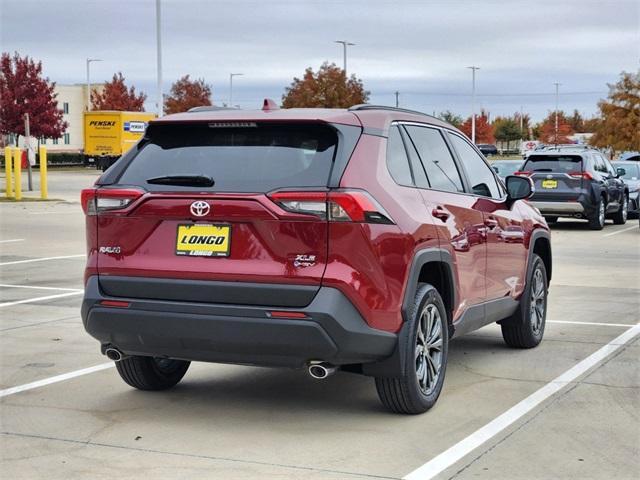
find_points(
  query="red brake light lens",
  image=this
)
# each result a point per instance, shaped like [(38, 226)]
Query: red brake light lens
[(584, 175), (337, 206), (523, 173), (96, 200)]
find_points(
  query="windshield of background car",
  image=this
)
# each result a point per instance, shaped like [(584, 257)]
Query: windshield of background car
[(632, 172), (238, 156), (555, 163)]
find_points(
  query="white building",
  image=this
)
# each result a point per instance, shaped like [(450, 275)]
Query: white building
[(72, 100)]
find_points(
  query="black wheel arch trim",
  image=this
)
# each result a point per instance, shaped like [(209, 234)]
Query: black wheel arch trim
[(535, 236)]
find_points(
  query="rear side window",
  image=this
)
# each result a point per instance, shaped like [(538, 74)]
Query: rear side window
[(436, 158), (397, 161), (251, 158), (555, 163)]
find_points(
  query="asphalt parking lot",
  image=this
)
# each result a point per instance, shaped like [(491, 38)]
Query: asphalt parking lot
[(567, 409)]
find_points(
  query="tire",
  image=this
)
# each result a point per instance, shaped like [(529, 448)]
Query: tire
[(416, 389), (149, 373), (620, 217), (596, 220), (525, 328), (551, 220)]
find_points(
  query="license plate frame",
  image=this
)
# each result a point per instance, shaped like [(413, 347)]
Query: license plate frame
[(206, 235), (549, 184)]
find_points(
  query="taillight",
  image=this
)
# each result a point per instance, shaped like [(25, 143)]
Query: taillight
[(583, 175), (96, 200), (523, 173), (336, 206)]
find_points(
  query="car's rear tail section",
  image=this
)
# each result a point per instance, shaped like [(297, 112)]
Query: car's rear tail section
[(556, 177)]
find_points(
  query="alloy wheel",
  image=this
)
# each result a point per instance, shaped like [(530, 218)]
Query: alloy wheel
[(429, 344), (537, 303)]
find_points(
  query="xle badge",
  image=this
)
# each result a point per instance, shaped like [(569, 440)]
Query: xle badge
[(304, 261)]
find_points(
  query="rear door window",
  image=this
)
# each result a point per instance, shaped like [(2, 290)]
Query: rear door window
[(245, 157), (553, 164), (436, 158)]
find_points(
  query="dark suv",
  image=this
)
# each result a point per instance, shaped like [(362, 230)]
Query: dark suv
[(360, 240), (579, 184)]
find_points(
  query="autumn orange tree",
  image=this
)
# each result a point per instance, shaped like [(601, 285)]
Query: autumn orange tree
[(328, 88), (547, 129), (185, 94), (620, 124), (116, 96), (24, 90), (484, 130)]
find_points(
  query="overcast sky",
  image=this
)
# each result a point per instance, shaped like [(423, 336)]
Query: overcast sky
[(420, 48)]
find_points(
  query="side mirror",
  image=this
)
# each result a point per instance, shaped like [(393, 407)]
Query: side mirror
[(621, 172), (519, 188)]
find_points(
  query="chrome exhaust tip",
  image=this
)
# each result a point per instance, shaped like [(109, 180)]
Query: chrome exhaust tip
[(114, 354), (321, 370)]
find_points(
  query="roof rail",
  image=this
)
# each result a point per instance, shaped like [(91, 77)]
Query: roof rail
[(367, 106), (208, 108)]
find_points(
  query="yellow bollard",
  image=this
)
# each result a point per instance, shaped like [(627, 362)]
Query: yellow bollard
[(8, 160), (44, 191), (17, 172)]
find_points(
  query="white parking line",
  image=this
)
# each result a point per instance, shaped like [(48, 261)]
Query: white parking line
[(43, 259), (620, 231), (598, 324), (6, 285), (56, 379), (40, 299), (458, 451), (12, 240)]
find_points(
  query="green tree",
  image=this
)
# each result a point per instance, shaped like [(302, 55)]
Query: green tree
[(451, 118), (328, 88), (576, 121), (506, 129), (620, 125)]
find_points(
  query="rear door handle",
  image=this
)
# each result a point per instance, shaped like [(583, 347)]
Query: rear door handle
[(440, 213)]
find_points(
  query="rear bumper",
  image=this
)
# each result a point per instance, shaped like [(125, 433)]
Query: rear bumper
[(559, 207), (334, 331)]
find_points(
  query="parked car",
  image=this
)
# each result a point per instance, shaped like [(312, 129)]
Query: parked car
[(629, 157), (630, 173), (360, 239), (488, 149), (504, 168), (579, 184)]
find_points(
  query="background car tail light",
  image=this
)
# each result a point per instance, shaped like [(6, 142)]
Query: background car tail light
[(94, 201), (336, 206), (584, 175), (523, 173)]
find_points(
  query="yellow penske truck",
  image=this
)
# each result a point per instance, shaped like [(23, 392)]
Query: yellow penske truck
[(109, 134)]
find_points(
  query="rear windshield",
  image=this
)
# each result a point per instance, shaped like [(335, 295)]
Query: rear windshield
[(555, 163), (248, 158)]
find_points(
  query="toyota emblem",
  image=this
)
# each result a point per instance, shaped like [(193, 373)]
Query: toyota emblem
[(200, 208)]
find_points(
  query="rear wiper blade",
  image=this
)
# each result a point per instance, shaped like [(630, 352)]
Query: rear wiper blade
[(183, 180)]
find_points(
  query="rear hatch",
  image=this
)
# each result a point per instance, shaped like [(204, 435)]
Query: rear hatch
[(197, 215), (556, 177)]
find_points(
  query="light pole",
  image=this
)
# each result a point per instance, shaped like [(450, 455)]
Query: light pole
[(89, 60), (160, 100), (556, 128), (345, 44), (473, 102), (231, 75), (397, 93)]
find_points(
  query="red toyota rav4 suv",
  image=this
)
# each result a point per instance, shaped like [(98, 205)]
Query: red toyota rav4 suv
[(360, 239)]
